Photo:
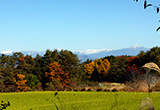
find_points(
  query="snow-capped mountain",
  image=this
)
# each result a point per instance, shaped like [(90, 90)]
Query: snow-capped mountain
[(135, 46), (32, 53), (91, 53), (6, 52), (132, 51)]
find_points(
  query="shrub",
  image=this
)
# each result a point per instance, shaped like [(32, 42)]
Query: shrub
[(92, 84), (39, 87), (74, 83), (157, 86), (89, 89), (51, 87), (59, 87), (124, 89), (82, 89), (99, 89), (106, 90), (75, 89), (10, 88), (68, 89), (114, 90)]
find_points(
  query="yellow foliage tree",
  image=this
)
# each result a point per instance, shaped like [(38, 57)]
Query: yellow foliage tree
[(89, 68), (103, 67), (97, 68)]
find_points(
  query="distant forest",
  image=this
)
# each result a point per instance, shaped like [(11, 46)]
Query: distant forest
[(62, 70)]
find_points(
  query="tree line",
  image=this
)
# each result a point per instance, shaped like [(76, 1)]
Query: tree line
[(62, 70)]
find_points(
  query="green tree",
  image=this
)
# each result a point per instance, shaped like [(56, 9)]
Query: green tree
[(38, 68), (118, 69), (69, 62), (151, 55), (7, 65)]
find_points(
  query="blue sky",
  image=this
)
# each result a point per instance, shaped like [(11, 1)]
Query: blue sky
[(76, 24)]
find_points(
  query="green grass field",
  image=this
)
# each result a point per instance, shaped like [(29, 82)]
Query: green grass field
[(77, 100)]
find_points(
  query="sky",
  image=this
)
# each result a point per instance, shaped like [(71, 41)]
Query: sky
[(38, 25)]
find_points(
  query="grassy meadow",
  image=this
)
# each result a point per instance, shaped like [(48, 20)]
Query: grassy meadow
[(77, 100)]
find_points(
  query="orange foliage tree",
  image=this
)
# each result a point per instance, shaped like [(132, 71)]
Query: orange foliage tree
[(20, 81), (57, 74), (21, 58)]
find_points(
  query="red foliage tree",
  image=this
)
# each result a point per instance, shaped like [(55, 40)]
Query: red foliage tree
[(134, 72)]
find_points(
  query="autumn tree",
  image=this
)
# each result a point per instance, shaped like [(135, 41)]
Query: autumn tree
[(97, 70), (56, 75), (20, 82), (89, 68), (134, 71), (134, 77), (103, 66), (101, 69)]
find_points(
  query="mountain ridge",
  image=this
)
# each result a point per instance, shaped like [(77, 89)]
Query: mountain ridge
[(91, 53)]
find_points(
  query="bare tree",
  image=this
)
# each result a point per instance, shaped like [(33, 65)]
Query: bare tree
[(134, 80)]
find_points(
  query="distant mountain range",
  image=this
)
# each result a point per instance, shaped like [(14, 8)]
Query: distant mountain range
[(132, 51), (92, 53)]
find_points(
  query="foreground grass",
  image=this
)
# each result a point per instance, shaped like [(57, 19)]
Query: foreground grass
[(77, 100)]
